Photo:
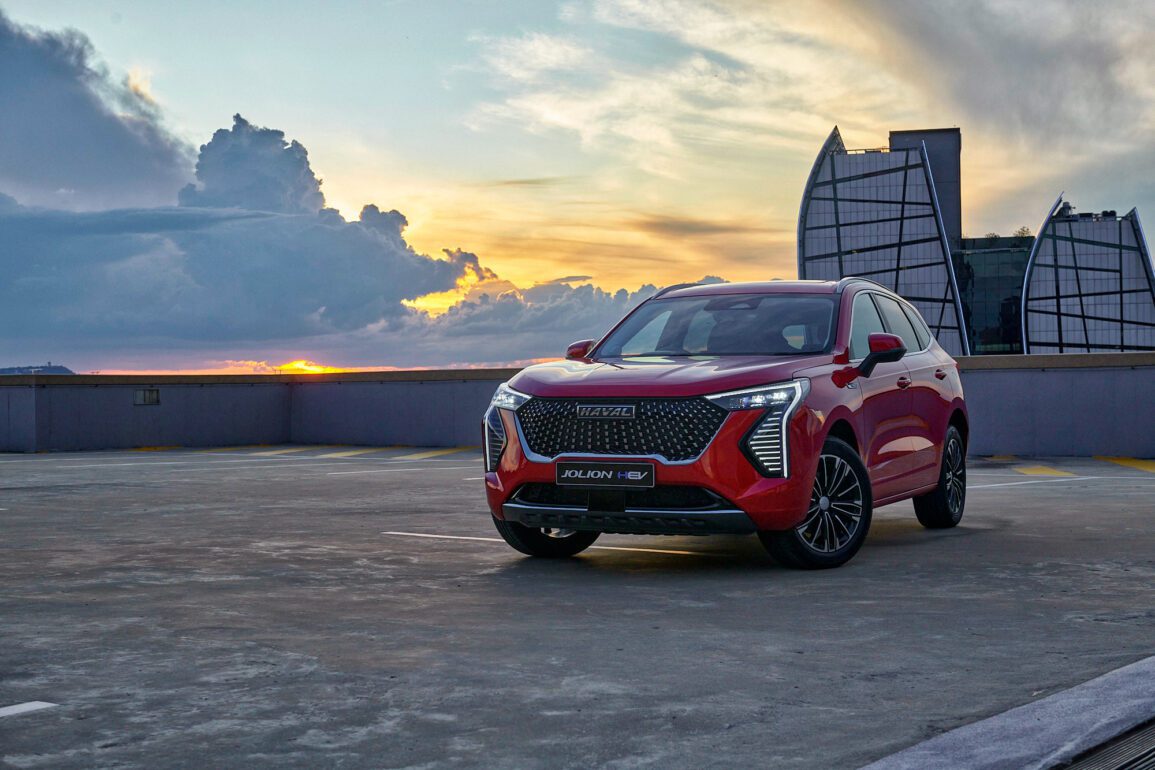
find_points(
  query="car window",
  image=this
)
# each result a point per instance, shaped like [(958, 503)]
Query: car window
[(919, 326), (725, 325), (897, 322), (865, 322), (646, 338)]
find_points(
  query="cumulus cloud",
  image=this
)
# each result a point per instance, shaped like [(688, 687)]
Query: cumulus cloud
[(254, 168), (253, 262), (74, 136)]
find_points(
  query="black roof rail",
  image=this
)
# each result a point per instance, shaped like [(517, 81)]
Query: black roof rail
[(675, 287), (844, 282)]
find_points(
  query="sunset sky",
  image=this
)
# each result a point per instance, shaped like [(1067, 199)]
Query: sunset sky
[(610, 143)]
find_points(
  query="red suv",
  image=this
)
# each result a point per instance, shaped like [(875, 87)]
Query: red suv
[(786, 409)]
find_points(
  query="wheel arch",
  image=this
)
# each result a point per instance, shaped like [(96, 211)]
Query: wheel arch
[(959, 420), (841, 428)]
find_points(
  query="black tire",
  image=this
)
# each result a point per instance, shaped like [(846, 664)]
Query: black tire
[(536, 542), (943, 508), (838, 518)]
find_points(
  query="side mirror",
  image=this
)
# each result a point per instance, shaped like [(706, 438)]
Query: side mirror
[(884, 348), (579, 349)]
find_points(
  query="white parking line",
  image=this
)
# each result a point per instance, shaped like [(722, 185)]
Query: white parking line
[(471, 478), (1037, 481), (395, 470), (499, 540), (24, 708)]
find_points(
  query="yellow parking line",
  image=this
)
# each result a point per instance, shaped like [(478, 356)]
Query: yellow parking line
[(356, 452), (291, 450), (1003, 458), (155, 448), (234, 448), (1040, 470), (433, 453), (1131, 462)]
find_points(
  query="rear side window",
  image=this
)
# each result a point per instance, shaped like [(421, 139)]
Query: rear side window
[(865, 322), (919, 326), (898, 323)]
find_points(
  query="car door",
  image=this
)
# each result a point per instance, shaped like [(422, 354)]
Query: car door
[(922, 365), (886, 403)]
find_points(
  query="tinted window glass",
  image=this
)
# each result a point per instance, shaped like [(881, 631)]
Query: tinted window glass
[(919, 326), (866, 322), (725, 325), (897, 322)]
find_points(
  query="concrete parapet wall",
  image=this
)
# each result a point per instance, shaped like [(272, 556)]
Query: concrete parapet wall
[(1074, 405)]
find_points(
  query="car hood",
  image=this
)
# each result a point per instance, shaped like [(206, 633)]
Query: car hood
[(657, 376)]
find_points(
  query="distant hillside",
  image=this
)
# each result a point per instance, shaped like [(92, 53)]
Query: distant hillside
[(48, 368)]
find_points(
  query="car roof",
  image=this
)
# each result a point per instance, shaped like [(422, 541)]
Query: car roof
[(754, 287)]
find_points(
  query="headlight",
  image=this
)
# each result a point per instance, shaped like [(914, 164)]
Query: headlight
[(767, 445), (493, 428), (780, 394), (508, 398)]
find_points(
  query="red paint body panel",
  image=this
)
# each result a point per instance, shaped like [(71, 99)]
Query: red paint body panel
[(898, 427)]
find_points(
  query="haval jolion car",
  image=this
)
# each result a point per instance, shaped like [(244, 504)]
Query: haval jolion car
[(790, 410)]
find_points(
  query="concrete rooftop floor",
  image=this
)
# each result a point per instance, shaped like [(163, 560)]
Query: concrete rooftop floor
[(274, 607)]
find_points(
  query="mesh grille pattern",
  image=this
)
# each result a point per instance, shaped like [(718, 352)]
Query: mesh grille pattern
[(676, 429)]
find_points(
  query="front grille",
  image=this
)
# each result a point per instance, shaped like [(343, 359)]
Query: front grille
[(676, 429)]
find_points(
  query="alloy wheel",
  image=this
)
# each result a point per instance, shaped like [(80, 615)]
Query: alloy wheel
[(954, 466), (557, 534), (835, 506)]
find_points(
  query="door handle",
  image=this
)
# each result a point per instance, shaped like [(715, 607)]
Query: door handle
[(904, 382), (939, 374)]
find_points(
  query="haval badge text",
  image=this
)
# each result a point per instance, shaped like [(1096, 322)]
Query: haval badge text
[(786, 409)]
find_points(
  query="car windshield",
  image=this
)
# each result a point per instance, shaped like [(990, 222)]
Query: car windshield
[(724, 325)]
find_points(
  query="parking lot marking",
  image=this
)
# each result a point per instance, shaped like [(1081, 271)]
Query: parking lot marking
[(1003, 458), (1038, 481), (471, 478), (234, 448), (1131, 462), (434, 453), (499, 540), (1040, 470), (290, 450), (24, 708), (397, 470), (356, 452)]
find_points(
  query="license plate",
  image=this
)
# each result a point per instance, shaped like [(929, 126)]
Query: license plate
[(605, 474)]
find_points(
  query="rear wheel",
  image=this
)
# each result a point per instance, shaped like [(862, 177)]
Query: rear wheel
[(943, 508), (837, 519), (546, 542)]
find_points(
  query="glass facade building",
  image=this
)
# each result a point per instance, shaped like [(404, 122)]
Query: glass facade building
[(1089, 286), (875, 214), (989, 273), (1084, 285)]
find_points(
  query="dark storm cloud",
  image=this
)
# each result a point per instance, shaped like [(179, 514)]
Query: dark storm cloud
[(253, 260), (254, 168), (71, 136), (210, 276)]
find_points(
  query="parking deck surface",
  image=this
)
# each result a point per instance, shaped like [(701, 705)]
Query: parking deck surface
[(312, 606)]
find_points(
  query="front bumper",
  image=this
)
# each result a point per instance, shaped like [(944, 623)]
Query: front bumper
[(748, 501)]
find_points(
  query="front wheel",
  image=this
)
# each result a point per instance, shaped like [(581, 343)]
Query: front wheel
[(838, 518), (546, 543), (943, 508)]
